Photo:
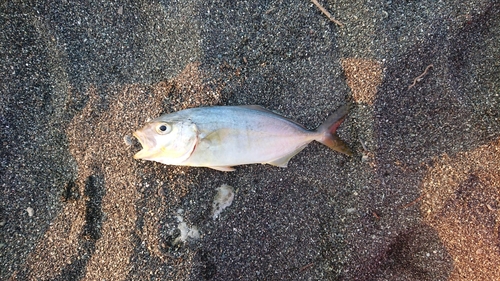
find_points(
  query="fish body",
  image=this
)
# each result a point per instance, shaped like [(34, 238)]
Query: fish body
[(220, 137)]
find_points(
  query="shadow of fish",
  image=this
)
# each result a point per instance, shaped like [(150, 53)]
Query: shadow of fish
[(220, 137)]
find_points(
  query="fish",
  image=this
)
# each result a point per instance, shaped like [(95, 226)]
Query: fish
[(220, 137)]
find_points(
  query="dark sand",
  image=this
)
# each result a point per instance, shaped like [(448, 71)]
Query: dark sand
[(420, 200)]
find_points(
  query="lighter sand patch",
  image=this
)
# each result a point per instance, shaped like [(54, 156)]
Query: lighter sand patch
[(462, 202), (59, 244), (96, 136), (363, 77), (96, 140)]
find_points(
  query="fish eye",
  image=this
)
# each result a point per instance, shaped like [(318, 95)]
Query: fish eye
[(163, 128)]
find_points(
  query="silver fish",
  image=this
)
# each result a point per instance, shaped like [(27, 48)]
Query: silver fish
[(220, 137)]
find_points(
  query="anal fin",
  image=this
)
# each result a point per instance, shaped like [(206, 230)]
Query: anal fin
[(283, 161), (222, 168)]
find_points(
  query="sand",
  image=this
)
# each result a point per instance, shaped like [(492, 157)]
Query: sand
[(419, 200)]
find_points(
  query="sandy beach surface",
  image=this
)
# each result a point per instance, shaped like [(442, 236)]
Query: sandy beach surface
[(419, 200)]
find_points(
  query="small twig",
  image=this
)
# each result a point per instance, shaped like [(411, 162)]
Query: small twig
[(420, 76), (307, 266), (326, 13), (413, 202), (363, 145)]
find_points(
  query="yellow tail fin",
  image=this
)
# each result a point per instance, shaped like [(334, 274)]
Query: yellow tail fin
[(328, 130)]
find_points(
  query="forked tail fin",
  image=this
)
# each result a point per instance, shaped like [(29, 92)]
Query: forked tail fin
[(327, 133)]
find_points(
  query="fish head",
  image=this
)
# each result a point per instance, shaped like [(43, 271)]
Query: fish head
[(167, 141)]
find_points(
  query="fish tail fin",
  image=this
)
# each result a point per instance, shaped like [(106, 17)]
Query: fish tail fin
[(327, 131)]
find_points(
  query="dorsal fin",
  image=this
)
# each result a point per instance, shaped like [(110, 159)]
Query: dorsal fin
[(263, 109), (256, 107)]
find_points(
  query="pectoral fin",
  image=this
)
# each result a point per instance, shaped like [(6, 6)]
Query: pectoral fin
[(217, 137)]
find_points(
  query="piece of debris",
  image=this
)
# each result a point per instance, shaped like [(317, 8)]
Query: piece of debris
[(307, 266), (413, 202), (186, 231), (419, 78), (30, 211), (223, 199), (326, 13), (128, 140)]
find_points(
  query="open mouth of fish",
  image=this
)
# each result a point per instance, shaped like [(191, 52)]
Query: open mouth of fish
[(144, 144)]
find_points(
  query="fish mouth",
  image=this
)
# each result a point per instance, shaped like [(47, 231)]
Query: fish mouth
[(146, 144)]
